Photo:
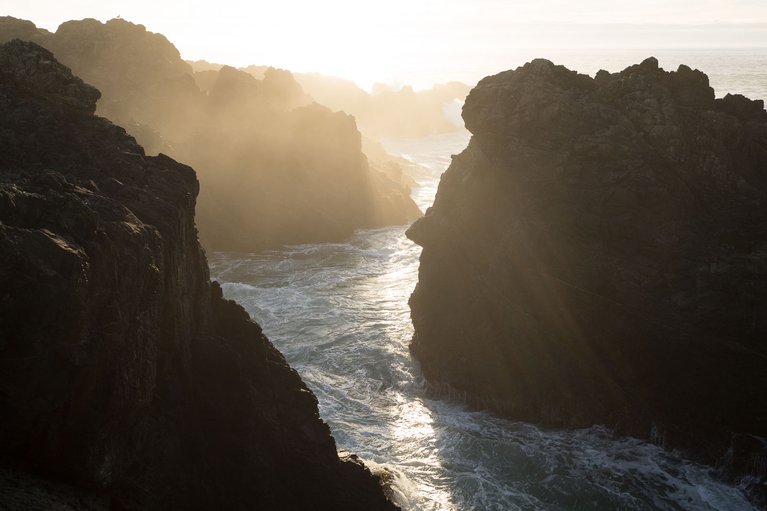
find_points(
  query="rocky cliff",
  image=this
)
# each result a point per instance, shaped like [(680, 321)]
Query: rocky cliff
[(126, 380), (285, 172), (267, 159), (598, 254)]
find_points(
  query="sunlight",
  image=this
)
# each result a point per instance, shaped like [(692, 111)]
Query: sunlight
[(415, 42), (472, 242), (414, 422)]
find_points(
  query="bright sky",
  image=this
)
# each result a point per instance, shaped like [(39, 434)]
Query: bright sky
[(415, 41)]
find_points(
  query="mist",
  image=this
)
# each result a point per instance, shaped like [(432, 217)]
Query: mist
[(511, 254), (275, 166), (422, 42)]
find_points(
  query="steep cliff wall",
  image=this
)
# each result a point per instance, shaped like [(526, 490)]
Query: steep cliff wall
[(268, 168), (598, 254), (123, 371)]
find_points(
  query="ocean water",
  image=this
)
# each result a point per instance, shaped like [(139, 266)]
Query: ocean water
[(339, 313)]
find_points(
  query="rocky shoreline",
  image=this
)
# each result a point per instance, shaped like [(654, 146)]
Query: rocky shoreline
[(126, 380), (597, 256)]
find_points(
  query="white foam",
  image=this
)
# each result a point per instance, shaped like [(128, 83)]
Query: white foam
[(339, 313)]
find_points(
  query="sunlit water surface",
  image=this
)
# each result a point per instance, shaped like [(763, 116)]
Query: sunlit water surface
[(339, 313)]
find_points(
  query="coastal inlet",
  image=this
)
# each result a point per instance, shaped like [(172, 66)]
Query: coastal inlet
[(339, 313)]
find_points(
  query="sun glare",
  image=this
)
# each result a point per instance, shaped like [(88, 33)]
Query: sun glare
[(415, 42)]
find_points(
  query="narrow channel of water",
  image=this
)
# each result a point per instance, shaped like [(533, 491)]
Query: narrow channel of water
[(339, 313)]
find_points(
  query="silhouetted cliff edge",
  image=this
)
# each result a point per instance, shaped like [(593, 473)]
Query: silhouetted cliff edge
[(126, 380), (274, 168), (598, 254)]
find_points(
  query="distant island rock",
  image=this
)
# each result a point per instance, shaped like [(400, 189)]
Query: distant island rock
[(274, 167), (126, 380), (598, 255)]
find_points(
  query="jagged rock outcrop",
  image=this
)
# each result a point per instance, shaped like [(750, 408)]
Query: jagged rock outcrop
[(598, 254), (386, 112), (126, 380), (14, 28), (264, 154), (140, 74), (290, 173)]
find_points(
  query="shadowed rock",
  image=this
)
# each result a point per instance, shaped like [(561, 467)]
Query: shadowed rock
[(126, 380), (598, 254)]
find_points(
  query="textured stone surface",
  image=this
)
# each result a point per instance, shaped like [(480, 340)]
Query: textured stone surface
[(123, 371), (598, 254)]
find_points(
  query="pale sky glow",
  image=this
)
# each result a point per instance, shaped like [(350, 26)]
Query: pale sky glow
[(415, 41)]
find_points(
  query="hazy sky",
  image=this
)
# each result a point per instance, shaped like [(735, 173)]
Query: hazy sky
[(415, 41)]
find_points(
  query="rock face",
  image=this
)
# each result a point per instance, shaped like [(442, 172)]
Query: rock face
[(598, 254), (124, 374), (284, 172), (274, 168)]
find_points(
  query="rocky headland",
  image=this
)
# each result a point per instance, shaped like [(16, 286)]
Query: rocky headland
[(126, 380), (598, 255), (275, 168)]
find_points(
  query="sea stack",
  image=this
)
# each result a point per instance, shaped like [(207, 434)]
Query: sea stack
[(598, 255), (126, 380)]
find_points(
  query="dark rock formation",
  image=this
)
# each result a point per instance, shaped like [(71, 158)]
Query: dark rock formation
[(266, 157), (598, 254), (126, 380)]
